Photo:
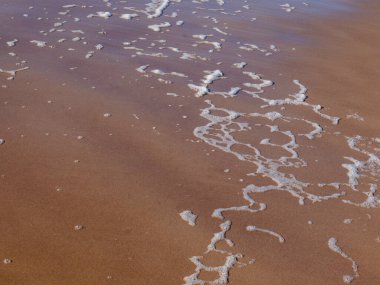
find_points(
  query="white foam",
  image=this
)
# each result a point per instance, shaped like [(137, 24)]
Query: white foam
[(76, 39), (172, 94), (70, 6), (128, 16), (201, 37), (13, 73), (355, 116), (240, 64), (231, 93), (220, 236), (151, 54), (216, 45), (218, 213), (223, 127), (252, 47), (220, 31), (89, 54), (12, 43), (200, 90), (212, 76), (209, 78), (372, 200), (104, 15), (297, 99), (369, 168), (287, 7), (276, 235), (191, 56), (160, 72), (189, 217), (156, 8), (99, 46), (38, 43), (333, 245), (142, 68), (352, 171), (158, 27), (223, 271)]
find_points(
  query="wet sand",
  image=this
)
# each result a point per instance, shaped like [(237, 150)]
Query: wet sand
[(91, 198)]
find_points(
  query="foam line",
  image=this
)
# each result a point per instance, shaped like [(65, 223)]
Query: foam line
[(298, 98), (208, 79), (157, 7), (223, 271), (219, 134), (272, 233), (220, 236), (333, 245), (218, 213), (361, 168), (13, 72), (372, 200)]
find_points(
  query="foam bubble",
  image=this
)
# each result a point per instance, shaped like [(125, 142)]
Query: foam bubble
[(38, 43), (128, 16), (188, 217), (12, 43), (158, 27), (104, 15)]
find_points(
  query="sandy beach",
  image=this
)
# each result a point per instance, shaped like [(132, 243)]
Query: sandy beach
[(189, 142)]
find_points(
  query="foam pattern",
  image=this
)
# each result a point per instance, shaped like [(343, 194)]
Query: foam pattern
[(215, 57)]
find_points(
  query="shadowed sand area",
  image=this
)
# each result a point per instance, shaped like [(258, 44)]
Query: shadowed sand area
[(107, 138)]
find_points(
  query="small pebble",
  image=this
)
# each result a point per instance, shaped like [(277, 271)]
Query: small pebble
[(7, 261), (78, 227)]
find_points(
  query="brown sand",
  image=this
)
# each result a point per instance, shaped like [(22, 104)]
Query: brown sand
[(128, 178)]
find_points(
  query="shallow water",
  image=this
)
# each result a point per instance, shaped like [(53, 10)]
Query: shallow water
[(175, 92)]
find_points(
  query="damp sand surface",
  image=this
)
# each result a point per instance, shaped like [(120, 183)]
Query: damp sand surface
[(204, 150)]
